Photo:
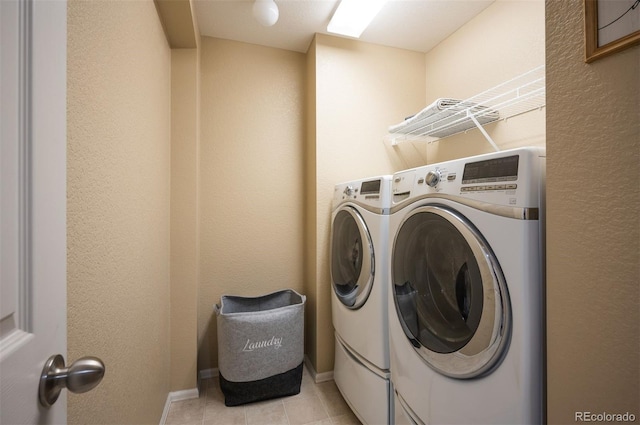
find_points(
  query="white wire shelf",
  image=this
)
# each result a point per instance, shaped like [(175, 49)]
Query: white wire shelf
[(446, 117)]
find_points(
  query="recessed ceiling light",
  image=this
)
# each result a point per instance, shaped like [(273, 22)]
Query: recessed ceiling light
[(353, 16)]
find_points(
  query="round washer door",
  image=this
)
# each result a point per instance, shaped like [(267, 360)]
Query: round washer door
[(352, 258), (450, 293)]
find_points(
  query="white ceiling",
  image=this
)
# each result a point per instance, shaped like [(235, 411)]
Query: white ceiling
[(417, 25)]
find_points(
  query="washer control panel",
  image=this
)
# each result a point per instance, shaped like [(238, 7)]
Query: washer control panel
[(432, 178), (506, 178)]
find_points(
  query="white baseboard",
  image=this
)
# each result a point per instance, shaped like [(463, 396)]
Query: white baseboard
[(208, 373), (317, 377), (184, 394), (177, 396), (165, 412)]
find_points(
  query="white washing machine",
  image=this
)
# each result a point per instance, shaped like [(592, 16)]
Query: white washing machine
[(359, 296), (467, 288)]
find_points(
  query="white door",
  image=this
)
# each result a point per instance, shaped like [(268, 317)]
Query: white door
[(32, 204)]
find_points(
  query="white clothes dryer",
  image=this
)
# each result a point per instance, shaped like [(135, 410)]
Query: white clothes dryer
[(359, 296), (467, 289)]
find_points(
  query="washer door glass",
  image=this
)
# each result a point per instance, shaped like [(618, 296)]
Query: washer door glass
[(449, 293), (352, 260)]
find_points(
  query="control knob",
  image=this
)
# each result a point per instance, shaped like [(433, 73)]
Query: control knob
[(432, 178), (348, 190)]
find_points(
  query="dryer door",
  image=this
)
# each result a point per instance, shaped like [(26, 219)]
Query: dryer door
[(450, 293), (352, 258)]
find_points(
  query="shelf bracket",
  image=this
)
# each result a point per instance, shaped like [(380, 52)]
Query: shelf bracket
[(484, 132)]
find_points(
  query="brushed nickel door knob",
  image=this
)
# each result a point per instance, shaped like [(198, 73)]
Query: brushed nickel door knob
[(81, 376)]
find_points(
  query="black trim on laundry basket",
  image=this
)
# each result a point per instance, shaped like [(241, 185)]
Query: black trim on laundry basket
[(281, 385)]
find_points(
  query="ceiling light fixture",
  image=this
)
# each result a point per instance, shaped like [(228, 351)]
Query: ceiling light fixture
[(266, 12), (353, 16)]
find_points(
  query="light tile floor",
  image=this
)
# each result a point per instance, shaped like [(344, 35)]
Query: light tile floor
[(317, 404)]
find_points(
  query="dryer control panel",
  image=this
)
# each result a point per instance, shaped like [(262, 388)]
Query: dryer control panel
[(373, 192)]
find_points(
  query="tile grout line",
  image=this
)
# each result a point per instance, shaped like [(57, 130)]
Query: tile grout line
[(206, 396), (286, 415), (324, 405)]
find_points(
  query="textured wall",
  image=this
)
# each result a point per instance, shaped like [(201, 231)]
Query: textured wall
[(360, 90), (119, 129), (593, 226), (504, 41), (251, 176), (185, 231), (310, 213)]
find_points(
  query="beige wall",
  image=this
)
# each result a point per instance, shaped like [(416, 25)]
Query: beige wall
[(503, 42), (185, 231), (360, 89), (310, 213), (118, 189), (251, 176), (593, 230)]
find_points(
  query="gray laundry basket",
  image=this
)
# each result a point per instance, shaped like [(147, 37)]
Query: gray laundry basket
[(260, 346)]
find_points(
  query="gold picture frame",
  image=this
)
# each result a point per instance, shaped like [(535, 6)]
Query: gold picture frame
[(593, 49)]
